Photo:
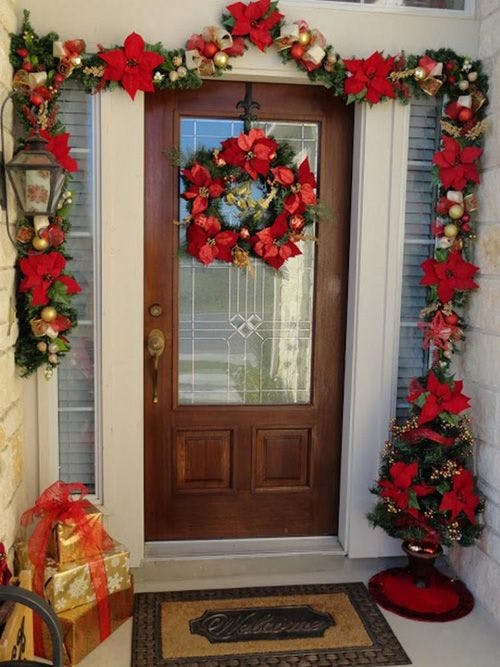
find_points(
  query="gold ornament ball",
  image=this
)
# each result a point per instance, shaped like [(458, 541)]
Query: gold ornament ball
[(456, 211), (40, 243), (53, 359), (472, 76), (463, 84), (182, 72), (420, 74), (173, 76), (304, 37), (77, 61), (53, 349), (450, 230), (221, 59), (48, 314), (41, 347)]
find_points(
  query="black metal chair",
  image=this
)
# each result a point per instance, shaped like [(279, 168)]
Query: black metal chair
[(40, 607)]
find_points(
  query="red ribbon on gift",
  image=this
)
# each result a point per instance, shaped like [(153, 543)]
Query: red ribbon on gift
[(57, 503), (421, 433)]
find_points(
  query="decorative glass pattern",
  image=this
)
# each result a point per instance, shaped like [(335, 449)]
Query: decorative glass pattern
[(246, 338)]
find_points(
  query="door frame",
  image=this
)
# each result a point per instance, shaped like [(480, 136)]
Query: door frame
[(374, 296)]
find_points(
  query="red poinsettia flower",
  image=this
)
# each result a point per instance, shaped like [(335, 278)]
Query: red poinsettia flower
[(456, 164), (273, 243), (41, 272), (452, 275), (369, 77), (439, 397), (207, 242), (132, 65), (203, 187), (57, 144), (437, 332), (303, 194), (399, 488), (461, 498), (255, 21), (253, 152)]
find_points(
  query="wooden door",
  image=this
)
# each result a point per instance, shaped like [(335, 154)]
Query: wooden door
[(245, 438)]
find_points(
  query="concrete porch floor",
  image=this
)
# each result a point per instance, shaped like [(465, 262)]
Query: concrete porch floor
[(470, 642)]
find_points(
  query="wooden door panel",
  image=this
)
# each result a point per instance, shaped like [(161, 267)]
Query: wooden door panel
[(281, 459), (203, 461), (226, 471)]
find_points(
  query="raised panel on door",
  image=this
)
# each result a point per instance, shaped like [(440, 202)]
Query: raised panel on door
[(245, 438)]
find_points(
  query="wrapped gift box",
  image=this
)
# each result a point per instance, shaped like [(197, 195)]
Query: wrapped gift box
[(70, 585), (16, 638), (80, 626), (66, 543)]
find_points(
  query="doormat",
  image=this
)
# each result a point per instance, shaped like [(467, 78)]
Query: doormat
[(326, 624)]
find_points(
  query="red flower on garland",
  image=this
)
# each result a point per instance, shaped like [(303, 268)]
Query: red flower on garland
[(255, 21), (400, 488), (456, 164), (203, 187), (41, 272), (452, 275), (439, 397), (132, 65), (207, 242), (273, 243), (369, 77), (461, 498), (253, 152), (57, 144), (437, 332)]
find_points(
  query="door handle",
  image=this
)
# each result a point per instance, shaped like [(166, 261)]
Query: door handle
[(156, 347)]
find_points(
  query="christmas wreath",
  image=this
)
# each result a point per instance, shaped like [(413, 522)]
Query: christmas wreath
[(274, 199)]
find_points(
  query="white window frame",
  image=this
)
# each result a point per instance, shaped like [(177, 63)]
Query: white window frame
[(468, 12), (47, 391)]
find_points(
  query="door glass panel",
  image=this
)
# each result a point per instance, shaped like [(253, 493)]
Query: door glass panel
[(246, 338)]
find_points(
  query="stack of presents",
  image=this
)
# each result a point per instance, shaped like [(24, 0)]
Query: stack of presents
[(77, 568)]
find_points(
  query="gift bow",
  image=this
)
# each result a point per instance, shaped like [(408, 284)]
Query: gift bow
[(56, 504), (315, 52), (433, 69), (195, 60), (69, 54), (26, 83)]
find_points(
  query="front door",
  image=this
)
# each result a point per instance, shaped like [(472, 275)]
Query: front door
[(244, 437)]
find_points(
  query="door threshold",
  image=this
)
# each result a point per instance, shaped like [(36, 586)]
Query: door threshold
[(243, 548)]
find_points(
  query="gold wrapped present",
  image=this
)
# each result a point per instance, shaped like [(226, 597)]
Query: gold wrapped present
[(65, 544), (70, 585), (16, 638), (80, 626)]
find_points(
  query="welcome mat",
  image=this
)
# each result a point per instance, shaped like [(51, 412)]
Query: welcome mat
[(327, 624)]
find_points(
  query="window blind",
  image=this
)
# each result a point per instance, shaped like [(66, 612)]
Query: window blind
[(418, 242), (78, 374)]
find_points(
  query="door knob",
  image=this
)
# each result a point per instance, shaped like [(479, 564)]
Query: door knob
[(156, 347)]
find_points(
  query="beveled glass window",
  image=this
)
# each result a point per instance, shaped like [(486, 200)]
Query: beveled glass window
[(246, 337)]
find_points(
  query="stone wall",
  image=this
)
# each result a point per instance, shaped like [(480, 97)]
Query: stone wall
[(11, 413), (480, 565)]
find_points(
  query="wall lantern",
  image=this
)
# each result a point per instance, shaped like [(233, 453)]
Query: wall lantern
[(37, 180)]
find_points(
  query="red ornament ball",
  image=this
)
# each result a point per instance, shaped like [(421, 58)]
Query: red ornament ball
[(27, 66), (210, 49), (55, 235), (297, 52), (465, 115), (22, 53), (466, 218), (451, 319), (443, 206), (452, 79), (450, 65), (297, 222), (36, 99)]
